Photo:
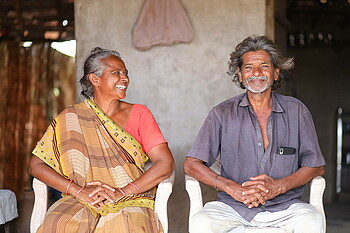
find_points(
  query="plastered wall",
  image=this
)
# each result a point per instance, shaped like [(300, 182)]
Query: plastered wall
[(179, 83)]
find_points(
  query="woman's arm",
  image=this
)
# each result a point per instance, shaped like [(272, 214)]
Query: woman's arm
[(163, 165), (46, 174)]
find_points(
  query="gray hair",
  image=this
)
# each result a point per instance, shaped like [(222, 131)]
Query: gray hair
[(94, 65), (256, 43)]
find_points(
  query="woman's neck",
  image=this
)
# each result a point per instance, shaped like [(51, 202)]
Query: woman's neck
[(109, 106)]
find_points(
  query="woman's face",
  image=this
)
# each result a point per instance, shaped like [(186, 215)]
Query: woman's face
[(114, 80)]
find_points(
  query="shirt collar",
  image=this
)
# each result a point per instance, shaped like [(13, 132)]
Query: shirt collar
[(276, 107)]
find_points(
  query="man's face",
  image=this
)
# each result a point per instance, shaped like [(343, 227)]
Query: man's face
[(257, 73)]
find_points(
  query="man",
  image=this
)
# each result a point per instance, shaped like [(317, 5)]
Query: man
[(268, 150)]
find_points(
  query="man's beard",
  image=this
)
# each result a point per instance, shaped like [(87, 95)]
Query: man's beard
[(259, 87)]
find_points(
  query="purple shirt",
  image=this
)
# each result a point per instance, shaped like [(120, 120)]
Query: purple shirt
[(232, 130)]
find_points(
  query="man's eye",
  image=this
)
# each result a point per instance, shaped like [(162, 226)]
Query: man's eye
[(247, 68)]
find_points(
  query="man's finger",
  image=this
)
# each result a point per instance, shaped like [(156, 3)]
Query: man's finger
[(251, 183)]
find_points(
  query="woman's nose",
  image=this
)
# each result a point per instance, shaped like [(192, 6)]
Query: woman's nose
[(123, 75)]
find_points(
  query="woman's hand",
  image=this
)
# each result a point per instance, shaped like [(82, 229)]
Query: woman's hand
[(84, 196), (102, 193)]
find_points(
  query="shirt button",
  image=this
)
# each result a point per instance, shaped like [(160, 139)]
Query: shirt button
[(259, 144)]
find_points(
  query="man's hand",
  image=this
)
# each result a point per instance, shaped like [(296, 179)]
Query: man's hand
[(251, 197), (265, 186)]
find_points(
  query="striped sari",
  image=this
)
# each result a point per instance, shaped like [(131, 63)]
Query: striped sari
[(83, 144)]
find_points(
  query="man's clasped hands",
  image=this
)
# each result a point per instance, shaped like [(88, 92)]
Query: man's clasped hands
[(257, 190)]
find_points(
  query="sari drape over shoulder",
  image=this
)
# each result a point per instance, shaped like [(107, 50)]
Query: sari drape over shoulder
[(83, 144)]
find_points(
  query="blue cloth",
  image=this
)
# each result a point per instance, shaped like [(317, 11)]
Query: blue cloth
[(8, 206), (232, 130)]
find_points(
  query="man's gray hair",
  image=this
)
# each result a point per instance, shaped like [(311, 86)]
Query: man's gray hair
[(256, 43), (94, 64)]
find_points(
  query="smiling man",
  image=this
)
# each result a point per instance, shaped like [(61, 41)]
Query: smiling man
[(268, 149)]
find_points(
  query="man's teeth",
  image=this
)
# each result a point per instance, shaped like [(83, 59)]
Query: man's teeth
[(121, 87)]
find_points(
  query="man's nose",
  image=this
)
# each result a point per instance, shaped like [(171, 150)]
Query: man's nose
[(257, 71)]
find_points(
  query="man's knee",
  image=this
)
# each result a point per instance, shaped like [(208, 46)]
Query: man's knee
[(199, 222), (312, 222)]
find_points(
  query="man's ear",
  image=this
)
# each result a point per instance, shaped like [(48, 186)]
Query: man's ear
[(239, 74), (94, 79), (276, 73)]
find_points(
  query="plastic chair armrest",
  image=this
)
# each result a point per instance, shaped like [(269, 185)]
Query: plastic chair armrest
[(164, 190), (40, 205), (317, 187), (195, 194)]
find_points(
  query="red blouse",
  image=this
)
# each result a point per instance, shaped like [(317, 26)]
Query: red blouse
[(144, 128)]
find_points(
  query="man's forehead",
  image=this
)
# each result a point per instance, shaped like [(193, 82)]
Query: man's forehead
[(259, 56)]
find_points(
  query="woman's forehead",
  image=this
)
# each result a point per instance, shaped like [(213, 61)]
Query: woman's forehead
[(114, 62)]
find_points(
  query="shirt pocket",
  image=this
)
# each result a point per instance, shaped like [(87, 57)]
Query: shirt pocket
[(283, 165)]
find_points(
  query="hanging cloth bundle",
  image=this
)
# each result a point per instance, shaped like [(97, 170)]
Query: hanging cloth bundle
[(161, 22)]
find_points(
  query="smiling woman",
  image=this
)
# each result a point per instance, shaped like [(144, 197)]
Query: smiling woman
[(94, 152)]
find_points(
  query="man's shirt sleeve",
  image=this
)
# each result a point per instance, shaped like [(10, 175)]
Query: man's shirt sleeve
[(207, 143)]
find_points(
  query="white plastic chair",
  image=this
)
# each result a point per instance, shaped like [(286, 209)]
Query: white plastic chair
[(160, 207), (317, 187)]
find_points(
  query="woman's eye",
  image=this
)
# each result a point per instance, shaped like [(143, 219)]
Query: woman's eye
[(119, 72)]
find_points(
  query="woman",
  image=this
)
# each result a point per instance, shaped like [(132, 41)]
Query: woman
[(93, 153)]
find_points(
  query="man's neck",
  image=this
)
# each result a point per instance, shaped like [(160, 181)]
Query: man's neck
[(260, 102)]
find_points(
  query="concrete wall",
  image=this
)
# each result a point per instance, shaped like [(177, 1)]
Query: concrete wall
[(179, 83)]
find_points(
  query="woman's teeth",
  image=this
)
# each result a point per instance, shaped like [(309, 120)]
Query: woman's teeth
[(121, 87)]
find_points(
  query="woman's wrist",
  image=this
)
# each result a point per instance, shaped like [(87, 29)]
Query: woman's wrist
[(79, 191), (135, 187), (121, 191), (73, 189), (131, 188), (68, 186)]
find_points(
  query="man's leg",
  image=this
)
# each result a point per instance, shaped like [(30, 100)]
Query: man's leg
[(298, 218), (217, 217)]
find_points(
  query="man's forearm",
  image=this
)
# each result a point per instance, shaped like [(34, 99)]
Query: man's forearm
[(301, 177)]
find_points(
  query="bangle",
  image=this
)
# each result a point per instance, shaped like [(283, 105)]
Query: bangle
[(70, 182), (216, 178), (121, 190), (79, 191), (134, 185)]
